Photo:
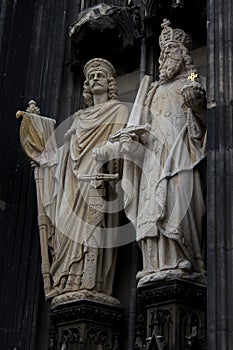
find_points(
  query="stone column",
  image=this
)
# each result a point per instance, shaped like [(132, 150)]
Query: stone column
[(220, 174)]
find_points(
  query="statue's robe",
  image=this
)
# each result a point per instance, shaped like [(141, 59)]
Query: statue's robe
[(75, 232), (169, 209)]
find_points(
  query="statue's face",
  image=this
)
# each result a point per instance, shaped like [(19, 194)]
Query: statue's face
[(173, 61), (98, 82)]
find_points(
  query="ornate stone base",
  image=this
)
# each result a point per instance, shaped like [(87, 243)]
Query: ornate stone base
[(171, 316), (84, 294), (85, 325), (170, 275)]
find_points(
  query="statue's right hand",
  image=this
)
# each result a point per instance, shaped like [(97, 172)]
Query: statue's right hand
[(128, 143), (100, 154), (130, 146)]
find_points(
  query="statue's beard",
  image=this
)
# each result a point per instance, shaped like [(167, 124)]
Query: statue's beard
[(171, 68)]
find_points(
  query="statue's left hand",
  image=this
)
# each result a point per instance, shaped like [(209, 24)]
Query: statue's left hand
[(194, 96)]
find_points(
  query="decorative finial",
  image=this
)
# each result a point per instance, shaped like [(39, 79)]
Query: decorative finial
[(33, 108), (166, 23)]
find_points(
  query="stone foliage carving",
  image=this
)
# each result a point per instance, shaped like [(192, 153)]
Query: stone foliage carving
[(77, 254)]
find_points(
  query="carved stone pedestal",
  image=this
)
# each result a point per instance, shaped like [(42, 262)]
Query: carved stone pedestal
[(171, 316), (85, 325)]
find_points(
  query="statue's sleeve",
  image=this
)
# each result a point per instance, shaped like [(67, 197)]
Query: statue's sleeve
[(38, 138)]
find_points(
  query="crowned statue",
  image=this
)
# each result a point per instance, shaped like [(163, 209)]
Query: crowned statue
[(77, 237), (169, 199)]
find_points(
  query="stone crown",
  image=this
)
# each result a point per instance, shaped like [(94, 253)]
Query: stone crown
[(173, 35), (99, 64)]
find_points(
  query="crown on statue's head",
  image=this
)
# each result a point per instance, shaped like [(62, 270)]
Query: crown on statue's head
[(99, 64), (173, 35)]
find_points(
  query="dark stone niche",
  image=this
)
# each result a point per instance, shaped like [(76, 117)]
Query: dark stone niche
[(109, 32), (182, 14)]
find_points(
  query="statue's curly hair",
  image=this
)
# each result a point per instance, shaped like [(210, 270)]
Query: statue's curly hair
[(112, 90), (187, 59)]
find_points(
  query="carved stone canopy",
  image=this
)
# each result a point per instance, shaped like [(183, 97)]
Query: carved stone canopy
[(106, 31)]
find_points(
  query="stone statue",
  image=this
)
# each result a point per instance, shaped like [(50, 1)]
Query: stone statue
[(169, 204), (78, 257)]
